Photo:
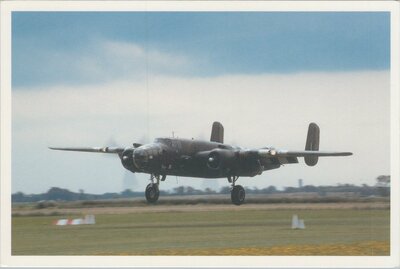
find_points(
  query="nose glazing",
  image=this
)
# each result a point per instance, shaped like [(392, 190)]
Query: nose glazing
[(141, 158)]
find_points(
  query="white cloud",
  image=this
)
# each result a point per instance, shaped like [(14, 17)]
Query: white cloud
[(352, 110), (131, 53), (102, 61), (113, 60)]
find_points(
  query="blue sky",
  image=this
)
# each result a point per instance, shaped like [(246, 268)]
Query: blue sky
[(214, 43), (95, 79)]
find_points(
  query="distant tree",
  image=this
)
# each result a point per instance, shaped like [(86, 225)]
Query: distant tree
[(127, 193), (209, 191), (310, 188), (190, 190), (269, 189), (366, 190), (383, 185), (383, 181), (291, 189), (18, 197), (179, 190), (255, 190), (225, 190), (59, 194)]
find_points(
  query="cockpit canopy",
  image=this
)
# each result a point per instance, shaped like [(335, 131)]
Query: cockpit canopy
[(163, 140)]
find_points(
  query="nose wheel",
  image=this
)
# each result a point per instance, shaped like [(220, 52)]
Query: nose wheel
[(152, 191), (238, 193)]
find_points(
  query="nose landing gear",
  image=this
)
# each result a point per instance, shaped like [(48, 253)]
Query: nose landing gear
[(238, 193), (152, 191)]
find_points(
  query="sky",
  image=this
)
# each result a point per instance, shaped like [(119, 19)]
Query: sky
[(114, 78)]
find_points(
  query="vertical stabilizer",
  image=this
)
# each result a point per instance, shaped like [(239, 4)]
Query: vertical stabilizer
[(217, 132), (312, 143)]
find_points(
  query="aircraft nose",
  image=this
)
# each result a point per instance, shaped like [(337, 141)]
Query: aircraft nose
[(140, 157)]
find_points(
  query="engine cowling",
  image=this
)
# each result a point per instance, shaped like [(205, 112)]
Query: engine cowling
[(220, 159), (127, 159)]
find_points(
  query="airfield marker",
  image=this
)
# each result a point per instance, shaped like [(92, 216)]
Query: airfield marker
[(297, 223), (62, 222), (76, 222), (301, 224), (89, 219)]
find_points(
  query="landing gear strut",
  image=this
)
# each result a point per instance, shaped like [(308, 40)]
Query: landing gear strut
[(152, 192), (237, 192)]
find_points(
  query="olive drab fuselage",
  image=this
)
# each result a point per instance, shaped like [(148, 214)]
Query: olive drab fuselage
[(191, 158)]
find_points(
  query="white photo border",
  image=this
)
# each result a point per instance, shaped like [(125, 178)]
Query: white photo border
[(6, 9)]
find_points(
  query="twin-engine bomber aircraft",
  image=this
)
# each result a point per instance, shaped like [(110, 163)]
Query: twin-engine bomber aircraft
[(208, 159)]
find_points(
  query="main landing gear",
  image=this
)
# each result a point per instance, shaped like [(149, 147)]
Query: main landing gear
[(237, 192), (152, 192)]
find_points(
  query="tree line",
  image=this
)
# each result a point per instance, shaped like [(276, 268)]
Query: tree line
[(381, 188)]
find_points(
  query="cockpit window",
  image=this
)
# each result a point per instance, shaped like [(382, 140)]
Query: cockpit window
[(165, 141)]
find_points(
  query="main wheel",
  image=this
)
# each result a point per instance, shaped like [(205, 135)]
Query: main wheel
[(237, 195), (152, 193)]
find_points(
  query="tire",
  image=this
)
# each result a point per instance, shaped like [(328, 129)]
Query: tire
[(152, 193), (238, 195)]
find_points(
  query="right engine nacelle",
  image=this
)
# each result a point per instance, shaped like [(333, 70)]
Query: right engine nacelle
[(221, 159)]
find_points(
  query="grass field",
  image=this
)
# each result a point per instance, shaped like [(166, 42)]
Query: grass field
[(209, 232)]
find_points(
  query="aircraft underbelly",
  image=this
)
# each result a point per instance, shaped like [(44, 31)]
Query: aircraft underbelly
[(203, 171)]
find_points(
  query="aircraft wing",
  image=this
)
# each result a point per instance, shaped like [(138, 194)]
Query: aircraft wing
[(300, 153), (305, 153), (93, 149), (290, 156)]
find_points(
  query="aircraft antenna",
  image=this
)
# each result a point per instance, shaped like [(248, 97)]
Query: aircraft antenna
[(147, 78)]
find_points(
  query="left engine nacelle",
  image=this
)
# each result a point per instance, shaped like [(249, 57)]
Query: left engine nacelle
[(127, 159), (220, 159)]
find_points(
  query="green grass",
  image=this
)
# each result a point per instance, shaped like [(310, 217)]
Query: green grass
[(149, 232)]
